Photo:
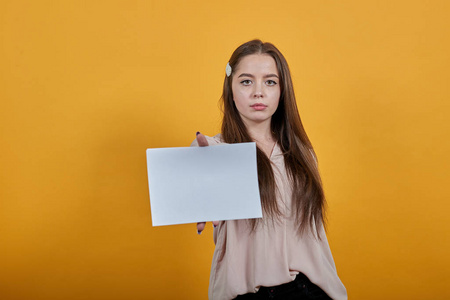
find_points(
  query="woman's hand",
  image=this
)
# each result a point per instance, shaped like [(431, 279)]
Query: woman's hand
[(202, 142)]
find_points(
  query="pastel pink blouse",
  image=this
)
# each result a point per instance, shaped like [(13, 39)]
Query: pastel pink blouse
[(274, 253)]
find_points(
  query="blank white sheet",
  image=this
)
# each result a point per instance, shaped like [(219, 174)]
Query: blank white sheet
[(195, 184)]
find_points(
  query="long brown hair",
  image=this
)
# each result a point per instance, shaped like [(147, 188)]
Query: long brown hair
[(307, 193)]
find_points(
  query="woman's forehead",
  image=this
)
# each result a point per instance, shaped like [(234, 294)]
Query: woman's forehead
[(256, 63)]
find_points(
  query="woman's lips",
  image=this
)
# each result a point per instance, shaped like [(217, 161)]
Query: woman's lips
[(258, 106)]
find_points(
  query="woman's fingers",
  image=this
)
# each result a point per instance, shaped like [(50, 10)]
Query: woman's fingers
[(201, 140), (200, 227)]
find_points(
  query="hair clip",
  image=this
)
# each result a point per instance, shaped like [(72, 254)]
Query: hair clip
[(228, 69)]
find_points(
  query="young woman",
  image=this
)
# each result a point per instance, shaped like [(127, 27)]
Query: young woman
[(284, 255)]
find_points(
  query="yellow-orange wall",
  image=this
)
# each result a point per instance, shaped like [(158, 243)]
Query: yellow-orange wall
[(87, 86)]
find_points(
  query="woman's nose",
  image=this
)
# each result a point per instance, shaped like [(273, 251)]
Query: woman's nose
[(258, 93)]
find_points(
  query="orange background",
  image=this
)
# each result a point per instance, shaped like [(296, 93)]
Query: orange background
[(86, 87)]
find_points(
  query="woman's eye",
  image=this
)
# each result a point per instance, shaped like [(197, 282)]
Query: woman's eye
[(246, 82), (270, 82)]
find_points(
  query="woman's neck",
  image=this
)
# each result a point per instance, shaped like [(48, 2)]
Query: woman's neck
[(261, 133)]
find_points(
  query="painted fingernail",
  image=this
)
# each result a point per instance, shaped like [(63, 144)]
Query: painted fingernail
[(198, 132), (199, 232), (214, 225)]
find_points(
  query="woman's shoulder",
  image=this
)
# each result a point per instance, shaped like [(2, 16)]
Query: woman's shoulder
[(212, 140)]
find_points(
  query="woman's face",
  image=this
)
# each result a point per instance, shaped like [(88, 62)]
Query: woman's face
[(256, 88)]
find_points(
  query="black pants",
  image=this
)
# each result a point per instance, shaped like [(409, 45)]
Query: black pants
[(299, 289)]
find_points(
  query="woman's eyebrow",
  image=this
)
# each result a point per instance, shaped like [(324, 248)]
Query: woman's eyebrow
[(251, 76), (246, 75)]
